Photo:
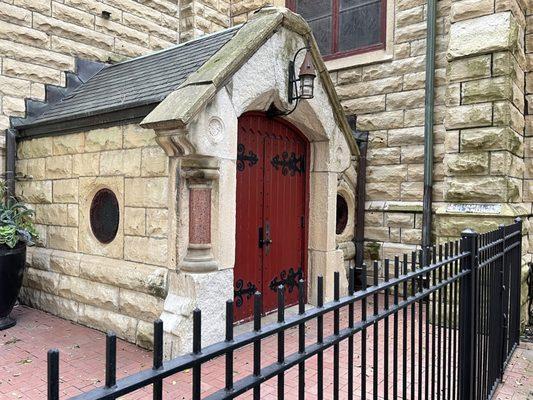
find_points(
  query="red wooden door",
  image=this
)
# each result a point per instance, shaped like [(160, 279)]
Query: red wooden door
[(271, 212)]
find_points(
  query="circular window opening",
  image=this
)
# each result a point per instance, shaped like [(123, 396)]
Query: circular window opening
[(342, 214), (105, 215)]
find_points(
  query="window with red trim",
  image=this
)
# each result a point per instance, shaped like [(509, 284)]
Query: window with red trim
[(344, 27)]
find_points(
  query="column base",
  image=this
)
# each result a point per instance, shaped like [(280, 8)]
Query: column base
[(199, 258)]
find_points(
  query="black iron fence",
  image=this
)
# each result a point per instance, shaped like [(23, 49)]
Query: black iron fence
[(440, 325)]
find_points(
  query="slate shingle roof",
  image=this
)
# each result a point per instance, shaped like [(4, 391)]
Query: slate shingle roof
[(137, 82)]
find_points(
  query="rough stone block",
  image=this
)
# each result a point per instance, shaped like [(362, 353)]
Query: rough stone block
[(64, 262), (87, 164), (469, 9), (412, 191), (372, 88), (467, 163), (51, 214), (134, 276), (481, 189), (364, 105), (411, 236), (112, 163), (136, 136), (72, 215), (399, 220), (383, 173), (97, 318), (22, 34), (146, 250), (35, 192), (404, 100), (134, 221), (46, 281), (383, 120), (412, 154), (63, 238), (65, 191), (468, 116), (103, 139), (13, 86), (87, 292), (72, 15), (384, 156), (59, 167), (383, 191), (146, 192), (34, 148), (506, 114), (491, 138), (482, 35), (485, 90), (31, 72), (377, 233), (154, 162), (67, 30), (140, 305), (68, 144), (406, 136), (156, 222)]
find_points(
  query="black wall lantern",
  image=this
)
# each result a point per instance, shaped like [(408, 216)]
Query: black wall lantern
[(302, 87)]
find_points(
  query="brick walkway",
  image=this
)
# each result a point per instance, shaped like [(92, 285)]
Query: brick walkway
[(23, 363)]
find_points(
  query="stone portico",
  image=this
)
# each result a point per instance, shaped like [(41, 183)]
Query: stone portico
[(173, 172)]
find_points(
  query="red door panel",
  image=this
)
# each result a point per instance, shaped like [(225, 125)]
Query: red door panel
[(248, 257), (271, 205)]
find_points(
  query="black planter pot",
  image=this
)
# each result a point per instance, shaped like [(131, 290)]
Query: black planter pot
[(12, 264)]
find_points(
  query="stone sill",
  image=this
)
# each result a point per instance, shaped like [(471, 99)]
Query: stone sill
[(357, 60)]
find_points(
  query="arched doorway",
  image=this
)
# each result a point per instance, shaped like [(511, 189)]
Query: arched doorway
[(271, 220)]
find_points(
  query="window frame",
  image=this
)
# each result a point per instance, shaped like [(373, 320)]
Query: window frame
[(291, 4)]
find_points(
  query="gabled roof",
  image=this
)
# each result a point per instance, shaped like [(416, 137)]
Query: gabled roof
[(137, 85), (184, 103)]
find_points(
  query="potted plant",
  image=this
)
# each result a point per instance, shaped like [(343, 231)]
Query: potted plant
[(17, 231)]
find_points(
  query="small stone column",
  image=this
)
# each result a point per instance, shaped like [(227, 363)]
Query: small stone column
[(199, 174)]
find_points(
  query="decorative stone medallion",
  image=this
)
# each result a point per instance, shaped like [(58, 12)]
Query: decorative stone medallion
[(215, 129)]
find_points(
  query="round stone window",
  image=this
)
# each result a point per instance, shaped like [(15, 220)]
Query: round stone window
[(105, 215), (342, 214)]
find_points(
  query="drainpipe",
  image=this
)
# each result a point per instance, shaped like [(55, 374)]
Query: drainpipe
[(428, 125), (11, 150), (362, 142)]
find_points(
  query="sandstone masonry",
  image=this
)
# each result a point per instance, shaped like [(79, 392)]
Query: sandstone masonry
[(121, 285)]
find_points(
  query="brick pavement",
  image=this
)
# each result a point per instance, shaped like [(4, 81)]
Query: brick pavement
[(23, 363)]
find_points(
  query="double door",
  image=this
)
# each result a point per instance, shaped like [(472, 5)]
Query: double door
[(271, 212)]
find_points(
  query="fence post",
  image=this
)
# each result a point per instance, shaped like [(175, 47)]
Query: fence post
[(518, 279), (467, 323)]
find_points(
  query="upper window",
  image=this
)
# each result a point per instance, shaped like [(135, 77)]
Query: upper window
[(344, 27)]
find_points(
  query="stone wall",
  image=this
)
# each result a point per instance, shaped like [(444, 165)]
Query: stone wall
[(200, 17), (40, 39), (120, 285)]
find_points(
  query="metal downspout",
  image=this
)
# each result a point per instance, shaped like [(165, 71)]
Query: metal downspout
[(428, 125), (11, 150), (359, 238)]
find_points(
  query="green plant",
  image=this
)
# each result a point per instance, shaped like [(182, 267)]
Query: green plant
[(16, 221)]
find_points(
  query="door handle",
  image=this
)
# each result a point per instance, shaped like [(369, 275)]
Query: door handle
[(264, 237)]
